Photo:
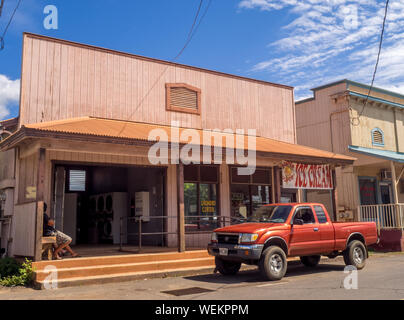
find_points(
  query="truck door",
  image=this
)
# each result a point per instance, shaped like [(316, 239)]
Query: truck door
[(305, 239), (326, 230)]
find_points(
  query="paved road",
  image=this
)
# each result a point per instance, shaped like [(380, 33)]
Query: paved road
[(383, 278)]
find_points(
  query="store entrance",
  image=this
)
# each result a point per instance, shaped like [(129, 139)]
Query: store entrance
[(90, 201)]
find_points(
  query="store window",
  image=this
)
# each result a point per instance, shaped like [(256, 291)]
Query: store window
[(367, 189), (201, 185), (248, 193)]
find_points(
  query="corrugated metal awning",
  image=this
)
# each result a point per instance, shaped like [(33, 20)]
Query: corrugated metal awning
[(134, 131)]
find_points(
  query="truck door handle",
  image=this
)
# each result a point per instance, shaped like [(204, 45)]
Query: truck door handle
[(315, 229)]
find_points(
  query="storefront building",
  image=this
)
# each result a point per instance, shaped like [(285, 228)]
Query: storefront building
[(342, 118), (89, 121)]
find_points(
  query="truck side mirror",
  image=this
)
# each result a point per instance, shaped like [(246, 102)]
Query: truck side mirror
[(298, 222)]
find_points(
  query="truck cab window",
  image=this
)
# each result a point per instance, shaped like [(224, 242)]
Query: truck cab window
[(321, 217), (305, 214)]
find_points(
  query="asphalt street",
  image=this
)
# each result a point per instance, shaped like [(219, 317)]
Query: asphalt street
[(382, 278)]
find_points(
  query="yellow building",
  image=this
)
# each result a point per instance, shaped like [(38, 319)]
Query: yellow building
[(340, 118)]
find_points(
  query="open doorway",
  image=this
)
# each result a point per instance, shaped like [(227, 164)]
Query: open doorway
[(90, 200)]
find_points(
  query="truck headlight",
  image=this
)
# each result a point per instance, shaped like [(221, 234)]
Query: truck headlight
[(214, 237), (248, 237)]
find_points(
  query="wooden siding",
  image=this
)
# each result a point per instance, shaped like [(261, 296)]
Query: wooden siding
[(24, 230), (376, 116), (63, 80), (28, 171), (7, 160), (313, 121)]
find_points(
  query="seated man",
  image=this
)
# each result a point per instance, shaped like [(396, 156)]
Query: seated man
[(62, 240)]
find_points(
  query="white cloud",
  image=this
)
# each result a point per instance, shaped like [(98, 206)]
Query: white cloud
[(9, 94), (331, 40)]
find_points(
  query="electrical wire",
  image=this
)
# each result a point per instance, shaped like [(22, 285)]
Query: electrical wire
[(191, 34), (1, 6), (8, 24), (376, 67)]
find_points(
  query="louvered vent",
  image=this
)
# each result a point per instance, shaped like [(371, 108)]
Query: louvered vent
[(77, 179), (377, 137), (183, 98)]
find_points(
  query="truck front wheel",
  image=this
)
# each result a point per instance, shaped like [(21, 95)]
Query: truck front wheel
[(227, 268), (310, 261), (273, 263), (355, 254)]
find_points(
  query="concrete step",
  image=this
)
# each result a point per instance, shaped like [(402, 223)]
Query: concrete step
[(103, 270), (120, 259), (103, 279)]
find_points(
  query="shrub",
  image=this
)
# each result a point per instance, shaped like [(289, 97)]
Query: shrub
[(8, 267), (22, 277)]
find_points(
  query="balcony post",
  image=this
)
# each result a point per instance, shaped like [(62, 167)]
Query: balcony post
[(395, 192)]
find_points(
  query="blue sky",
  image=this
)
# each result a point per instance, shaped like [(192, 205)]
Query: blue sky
[(304, 43)]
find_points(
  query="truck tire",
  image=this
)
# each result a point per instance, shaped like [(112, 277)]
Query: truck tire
[(310, 261), (273, 263), (227, 268), (355, 254)]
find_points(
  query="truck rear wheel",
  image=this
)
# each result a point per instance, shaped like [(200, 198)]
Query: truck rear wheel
[(355, 254), (310, 261), (273, 263), (227, 268)]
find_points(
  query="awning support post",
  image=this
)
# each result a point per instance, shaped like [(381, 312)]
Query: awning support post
[(40, 198), (181, 208)]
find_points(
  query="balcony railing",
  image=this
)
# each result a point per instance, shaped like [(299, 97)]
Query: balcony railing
[(386, 216)]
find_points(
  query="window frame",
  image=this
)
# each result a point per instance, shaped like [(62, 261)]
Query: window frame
[(374, 143), (316, 213), (170, 107), (198, 183), (301, 208), (250, 184)]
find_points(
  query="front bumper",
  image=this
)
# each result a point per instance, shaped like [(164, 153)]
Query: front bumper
[(236, 252)]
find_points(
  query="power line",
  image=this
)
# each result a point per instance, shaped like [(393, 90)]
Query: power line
[(376, 66), (196, 29), (8, 24), (191, 34), (1, 6)]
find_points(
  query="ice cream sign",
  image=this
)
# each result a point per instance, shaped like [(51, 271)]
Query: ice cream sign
[(306, 176)]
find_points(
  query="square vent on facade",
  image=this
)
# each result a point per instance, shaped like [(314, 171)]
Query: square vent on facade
[(183, 98)]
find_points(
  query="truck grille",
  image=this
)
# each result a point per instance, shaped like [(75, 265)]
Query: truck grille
[(227, 239)]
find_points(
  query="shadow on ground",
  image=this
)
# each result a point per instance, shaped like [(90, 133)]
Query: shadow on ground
[(295, 270)]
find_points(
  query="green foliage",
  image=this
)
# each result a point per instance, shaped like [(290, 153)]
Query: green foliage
[(8, 267), (22, 277)]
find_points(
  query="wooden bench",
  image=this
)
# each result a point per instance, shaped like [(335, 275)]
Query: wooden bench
[(47, 246)]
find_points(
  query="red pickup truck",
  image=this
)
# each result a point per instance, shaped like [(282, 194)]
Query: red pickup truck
[(278, 231)]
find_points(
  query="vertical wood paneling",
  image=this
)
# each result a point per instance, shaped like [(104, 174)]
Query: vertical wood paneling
[(64, 80)]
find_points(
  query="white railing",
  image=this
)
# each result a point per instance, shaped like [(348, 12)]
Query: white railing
[(386, 216)]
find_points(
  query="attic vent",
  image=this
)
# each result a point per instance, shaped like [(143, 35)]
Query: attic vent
[(377, 137), (183, 98)]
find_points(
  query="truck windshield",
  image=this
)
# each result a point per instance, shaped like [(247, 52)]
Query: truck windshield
[(271, 214)]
